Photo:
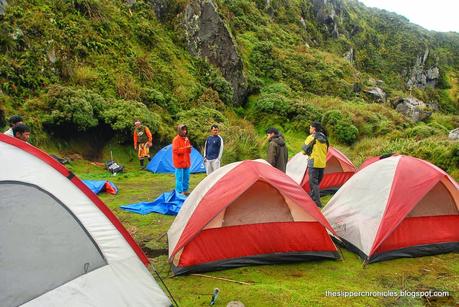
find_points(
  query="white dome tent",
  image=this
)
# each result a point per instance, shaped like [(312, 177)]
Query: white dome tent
[(397, 207), (60, 245)]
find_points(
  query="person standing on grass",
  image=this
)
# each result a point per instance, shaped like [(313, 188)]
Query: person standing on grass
[(181, 151), (13, 121), (142, 142), (213, 150), (316, 147), (277, 149)]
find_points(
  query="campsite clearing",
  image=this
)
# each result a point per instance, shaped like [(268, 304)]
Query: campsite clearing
[(299, 284)]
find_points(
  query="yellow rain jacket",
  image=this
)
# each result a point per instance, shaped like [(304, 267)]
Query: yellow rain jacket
[(318, 157)]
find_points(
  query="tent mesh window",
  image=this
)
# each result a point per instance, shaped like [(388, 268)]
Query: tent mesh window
[(42, 244)]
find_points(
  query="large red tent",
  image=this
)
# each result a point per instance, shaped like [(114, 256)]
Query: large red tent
[(247, 213)]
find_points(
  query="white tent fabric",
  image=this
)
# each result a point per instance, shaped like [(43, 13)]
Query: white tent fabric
[(296, 167), (355, 216), (122, 281)]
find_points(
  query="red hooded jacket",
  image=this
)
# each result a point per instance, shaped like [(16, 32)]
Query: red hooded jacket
[(180, 152)]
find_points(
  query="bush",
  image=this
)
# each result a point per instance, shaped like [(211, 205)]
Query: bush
[(121, 114), (420, 132), (127, 88), (211, 77), (340, 126), (198, 121), (345, 132), (210, 99), (275, 104), (64, 107)]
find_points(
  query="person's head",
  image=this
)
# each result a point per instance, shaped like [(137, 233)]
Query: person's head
[(271, 132), (21, 132), (214, 130), (137, 123), (14, 120), (182, 130), (316, 127)]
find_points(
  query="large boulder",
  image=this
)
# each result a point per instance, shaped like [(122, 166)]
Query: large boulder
[(207, 37), (3, 5), (376, 94), (454, 134), (413, 108)]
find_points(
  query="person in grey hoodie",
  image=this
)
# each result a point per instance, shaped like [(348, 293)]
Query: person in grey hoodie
[(277, 149)]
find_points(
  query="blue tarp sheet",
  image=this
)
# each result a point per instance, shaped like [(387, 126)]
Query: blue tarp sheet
[(162, 161), (98, 186), (168, 203)]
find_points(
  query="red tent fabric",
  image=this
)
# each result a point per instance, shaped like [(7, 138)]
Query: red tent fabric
[(338, 170), (247, 213)]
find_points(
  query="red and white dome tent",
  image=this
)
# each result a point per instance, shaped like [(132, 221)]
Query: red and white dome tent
[(397, 207), (338, 170), (247, 213), (59, 244)]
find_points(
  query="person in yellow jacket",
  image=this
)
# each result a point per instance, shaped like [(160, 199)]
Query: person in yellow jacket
[(316, 147)]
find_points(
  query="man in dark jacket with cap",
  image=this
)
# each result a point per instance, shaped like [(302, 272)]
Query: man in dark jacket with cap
[(277, 149)]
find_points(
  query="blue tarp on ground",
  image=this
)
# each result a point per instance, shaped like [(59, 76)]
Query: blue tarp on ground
[(162, 161), (98, 186), (167, 203)]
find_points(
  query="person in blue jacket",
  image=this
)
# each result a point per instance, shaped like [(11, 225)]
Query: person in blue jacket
[(213, 150)]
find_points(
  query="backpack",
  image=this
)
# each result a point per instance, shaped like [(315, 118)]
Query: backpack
[(308, 148), (113, 167)]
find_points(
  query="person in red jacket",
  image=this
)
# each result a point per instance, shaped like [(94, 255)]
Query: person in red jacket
[(181, 151), (142, 142)]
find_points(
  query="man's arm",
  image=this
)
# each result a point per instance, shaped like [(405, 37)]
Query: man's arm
[(220, 154), (205, 149), (135, 140), (271, 154), (149, 136)]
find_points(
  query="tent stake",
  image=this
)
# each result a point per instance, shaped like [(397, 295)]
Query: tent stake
[(224, 279)]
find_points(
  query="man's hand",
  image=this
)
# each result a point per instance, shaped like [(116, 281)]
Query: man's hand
[(149, 144)]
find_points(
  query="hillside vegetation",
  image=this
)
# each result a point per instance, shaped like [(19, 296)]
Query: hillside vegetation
[(81, 71)]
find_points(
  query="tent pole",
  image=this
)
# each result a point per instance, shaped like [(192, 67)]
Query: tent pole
[(164, 284)]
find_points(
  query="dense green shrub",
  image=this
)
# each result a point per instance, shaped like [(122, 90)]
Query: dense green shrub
[(211, 77), (79, 110), (421, 131), (340, 126), (345, 132), (69, 107), (198, 121)]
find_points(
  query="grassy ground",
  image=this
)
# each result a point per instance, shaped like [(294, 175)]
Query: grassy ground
[(302, 284)]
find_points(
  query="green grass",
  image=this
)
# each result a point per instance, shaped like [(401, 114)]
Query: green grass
[(301, 284)]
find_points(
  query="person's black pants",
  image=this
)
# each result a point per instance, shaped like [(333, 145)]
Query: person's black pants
[(315, 177)]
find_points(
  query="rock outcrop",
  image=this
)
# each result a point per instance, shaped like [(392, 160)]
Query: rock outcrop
[(454, 134), (413, 108), (326, 12), (350, 55), (376, 94), (3, 5), (420, 75), (207, 37)]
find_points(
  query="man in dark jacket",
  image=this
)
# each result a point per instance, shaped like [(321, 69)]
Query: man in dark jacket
[(277, 149)]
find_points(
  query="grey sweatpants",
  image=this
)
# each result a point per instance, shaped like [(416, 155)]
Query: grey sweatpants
[(212, 165)]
